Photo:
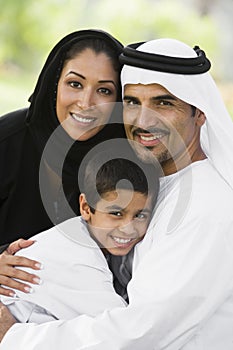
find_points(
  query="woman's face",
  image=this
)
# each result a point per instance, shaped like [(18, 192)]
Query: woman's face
[(87, 90)]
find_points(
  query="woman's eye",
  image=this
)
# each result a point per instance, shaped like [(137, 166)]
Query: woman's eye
[(105, 91), (75, 84)]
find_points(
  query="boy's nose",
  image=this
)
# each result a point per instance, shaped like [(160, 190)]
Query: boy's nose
[(128, 229)]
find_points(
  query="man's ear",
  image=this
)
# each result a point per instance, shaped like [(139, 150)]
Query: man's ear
[(84, 207), (200, 118)]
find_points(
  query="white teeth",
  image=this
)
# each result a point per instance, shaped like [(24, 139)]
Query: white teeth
[(121, 240), (82, 120), (151, 138)]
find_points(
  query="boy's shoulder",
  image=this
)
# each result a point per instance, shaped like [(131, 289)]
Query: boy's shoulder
[(69, 237)]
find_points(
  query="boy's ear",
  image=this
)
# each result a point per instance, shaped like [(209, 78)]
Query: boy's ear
[(84, 207)]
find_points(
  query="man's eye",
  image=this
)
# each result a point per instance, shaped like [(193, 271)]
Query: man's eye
[(105, 91), (165, 103), (130, 103), (75, 84)]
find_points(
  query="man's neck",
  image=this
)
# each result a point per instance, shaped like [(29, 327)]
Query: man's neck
[(171, 166)]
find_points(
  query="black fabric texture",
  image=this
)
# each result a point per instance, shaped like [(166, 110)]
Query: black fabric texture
[(161, 63)]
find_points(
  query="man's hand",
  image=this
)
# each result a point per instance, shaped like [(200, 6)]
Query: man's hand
[(6, 320)]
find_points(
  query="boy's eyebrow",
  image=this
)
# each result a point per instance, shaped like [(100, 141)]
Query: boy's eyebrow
[(117, 207), (114, 207), (145, 210)]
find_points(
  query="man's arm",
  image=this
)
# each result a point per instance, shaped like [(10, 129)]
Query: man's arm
[(6, 320), (170, 297)]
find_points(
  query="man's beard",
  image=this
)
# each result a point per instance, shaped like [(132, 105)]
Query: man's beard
[(146, 154)]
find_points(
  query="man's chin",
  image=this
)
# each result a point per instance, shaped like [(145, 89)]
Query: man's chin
[(144, 153)]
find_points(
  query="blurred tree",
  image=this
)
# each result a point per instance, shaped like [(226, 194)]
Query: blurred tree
[(30, 28)]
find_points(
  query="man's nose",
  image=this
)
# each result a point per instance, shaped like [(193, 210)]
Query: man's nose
[(146, 117)]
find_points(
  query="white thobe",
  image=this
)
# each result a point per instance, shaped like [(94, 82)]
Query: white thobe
[(76, 278), (181, 293)]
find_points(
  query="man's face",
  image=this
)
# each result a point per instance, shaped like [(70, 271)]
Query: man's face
[(160, 122)]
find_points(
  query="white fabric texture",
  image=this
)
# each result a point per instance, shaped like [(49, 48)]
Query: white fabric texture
[(181, 293), (76, 278)]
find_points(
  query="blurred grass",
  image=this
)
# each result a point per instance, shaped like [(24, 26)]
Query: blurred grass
[(16, 87)]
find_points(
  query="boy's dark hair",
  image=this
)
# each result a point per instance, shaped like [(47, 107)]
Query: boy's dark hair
[(104, 173)]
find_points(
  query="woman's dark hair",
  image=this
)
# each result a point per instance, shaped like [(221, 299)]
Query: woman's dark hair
[(102, 176), (98, 45)]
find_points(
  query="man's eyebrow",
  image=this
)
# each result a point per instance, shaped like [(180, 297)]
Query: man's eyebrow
[(163, 97), (132, 98)]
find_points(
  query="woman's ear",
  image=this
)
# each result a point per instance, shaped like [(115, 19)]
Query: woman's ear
[(200, 117), (84, 207)]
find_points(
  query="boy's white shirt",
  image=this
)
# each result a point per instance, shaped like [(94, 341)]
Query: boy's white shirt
[(75, 277)]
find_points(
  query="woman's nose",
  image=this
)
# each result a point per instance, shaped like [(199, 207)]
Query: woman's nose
[(85, 99)]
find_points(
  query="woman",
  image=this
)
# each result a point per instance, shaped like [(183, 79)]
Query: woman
[(76, 90)]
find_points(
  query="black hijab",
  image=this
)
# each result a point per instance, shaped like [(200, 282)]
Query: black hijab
[(42, 120)]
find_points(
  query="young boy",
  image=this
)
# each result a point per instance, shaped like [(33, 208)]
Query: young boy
[(116, 205)]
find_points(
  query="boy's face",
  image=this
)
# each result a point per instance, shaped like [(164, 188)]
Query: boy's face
[(120, 221)]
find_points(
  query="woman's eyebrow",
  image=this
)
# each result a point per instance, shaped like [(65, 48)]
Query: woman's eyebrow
[(82, 76), (107, 81), (75, 73)]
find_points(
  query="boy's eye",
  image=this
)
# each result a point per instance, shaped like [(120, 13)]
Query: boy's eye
[(115, 213), (142, 216)]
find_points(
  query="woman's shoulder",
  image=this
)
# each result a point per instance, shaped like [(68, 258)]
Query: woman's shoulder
[(12, 123)]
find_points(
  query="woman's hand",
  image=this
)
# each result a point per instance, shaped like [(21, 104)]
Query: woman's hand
[(6, 320), (8, 270)]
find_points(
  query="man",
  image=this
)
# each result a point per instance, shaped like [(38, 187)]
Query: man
[(181, 293)]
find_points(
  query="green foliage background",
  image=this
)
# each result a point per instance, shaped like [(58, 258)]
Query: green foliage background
[(29, 29)]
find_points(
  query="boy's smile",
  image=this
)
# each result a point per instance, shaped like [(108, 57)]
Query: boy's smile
[(120, 219)]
